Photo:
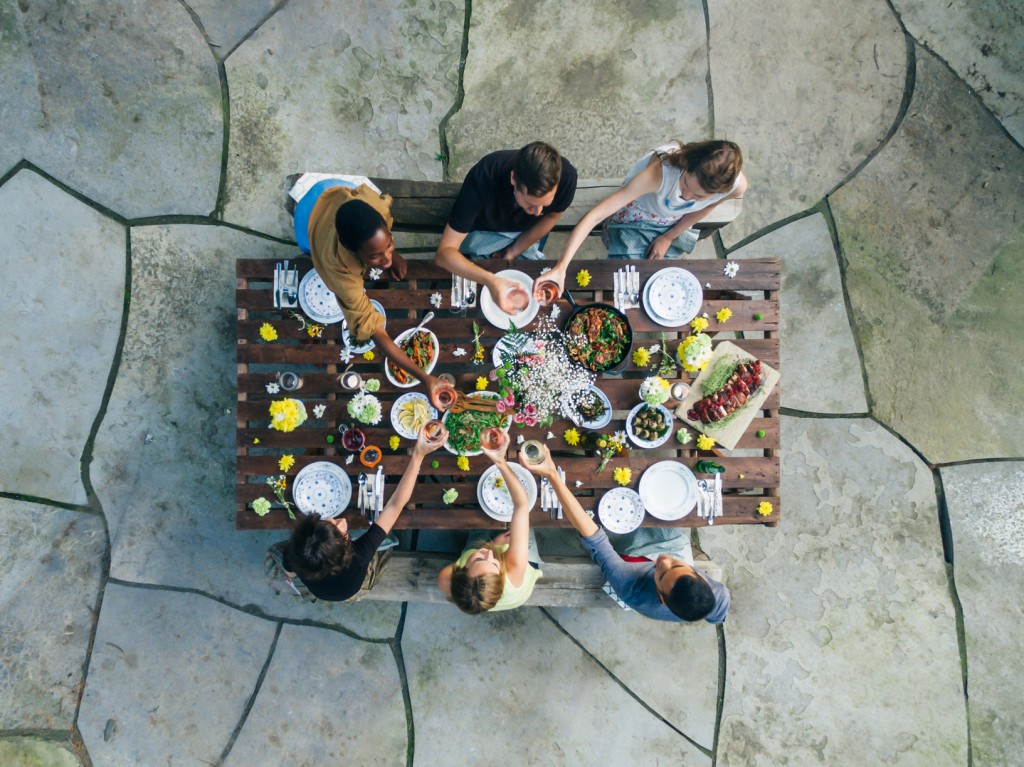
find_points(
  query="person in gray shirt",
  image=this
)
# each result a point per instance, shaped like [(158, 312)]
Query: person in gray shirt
[(668, 589)]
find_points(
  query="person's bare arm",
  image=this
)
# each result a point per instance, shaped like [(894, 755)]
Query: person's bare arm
[(660, 245), (571, 507), (393, 352), (518, 554), (400, 497), (448, 257), (541, 227)]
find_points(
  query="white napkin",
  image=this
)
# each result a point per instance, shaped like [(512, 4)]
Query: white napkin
[(307, 180)]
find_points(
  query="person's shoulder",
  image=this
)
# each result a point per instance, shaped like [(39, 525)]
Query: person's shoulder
[(494, 162)]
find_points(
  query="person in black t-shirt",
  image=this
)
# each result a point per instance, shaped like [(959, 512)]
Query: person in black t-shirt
[(323, 555), (509, 201)]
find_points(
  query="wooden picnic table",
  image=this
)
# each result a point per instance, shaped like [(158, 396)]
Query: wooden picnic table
[(752, 469)]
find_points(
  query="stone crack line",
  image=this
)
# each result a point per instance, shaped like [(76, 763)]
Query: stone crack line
[(707, 78), (460, 93), (399, 656), (252, 610), (720, 703), (252, 698), (611, 675)]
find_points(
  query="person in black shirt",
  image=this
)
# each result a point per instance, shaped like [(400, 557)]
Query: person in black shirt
[(508, 202), (323, 555)]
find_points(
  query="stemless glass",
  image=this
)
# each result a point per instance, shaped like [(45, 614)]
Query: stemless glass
[(533, 451), (446, 397), (433, 431), (350, 381), (491, 437), (289, 381), (546, 292), (518, 299)]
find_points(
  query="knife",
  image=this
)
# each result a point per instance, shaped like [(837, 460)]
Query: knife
[(718, 495), (277, 286), (379, 500)]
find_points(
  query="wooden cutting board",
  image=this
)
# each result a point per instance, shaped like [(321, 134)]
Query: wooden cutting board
[(728, 435)]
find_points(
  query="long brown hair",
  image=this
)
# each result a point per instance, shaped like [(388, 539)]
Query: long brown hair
[(317, 550), (479, 594), (715, 164)]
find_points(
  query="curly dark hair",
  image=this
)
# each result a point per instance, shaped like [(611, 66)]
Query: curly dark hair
[(356, 222), (317, 550)]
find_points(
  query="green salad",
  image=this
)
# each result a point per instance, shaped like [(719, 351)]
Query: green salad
[(464, 428)]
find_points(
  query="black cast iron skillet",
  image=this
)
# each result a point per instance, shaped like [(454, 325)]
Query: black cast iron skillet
[(627, 347)]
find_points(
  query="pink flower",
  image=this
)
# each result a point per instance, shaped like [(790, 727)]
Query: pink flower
[(530, 421), (539, 345), (518, 418), (530, 409), (501, 407), (510, 401)]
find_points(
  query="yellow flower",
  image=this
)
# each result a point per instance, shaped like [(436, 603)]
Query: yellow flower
[(463, 463), (394, 441), (623, 475), (255, 440), (705, 442), (481, 383), (583, 278), (572, 437), (723, 315), (368, 356), (286, 462), (267, 332), (641, 357), (314, 330), (499, 482), (764, 508), (699, 324), (287, 414)]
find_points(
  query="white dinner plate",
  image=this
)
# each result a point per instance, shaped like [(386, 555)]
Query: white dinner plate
[(346, 339), (471, 395), (621, 510), (322, 488), (430, 366), (673, 296), (598, 423), (500, 319), (496, 502), (318, 301), (639, 442), (397, 407), (668, 490)]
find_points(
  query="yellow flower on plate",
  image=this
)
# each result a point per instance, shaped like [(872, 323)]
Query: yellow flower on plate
[(623, 475), (699, 324), (705, 442), (764, 508), (583, 278), (641, 357), (481, 383), (572, 437), (394, 441), (314, 330), (499, 482), (723, 315), (286, 462), (267, 332), (368, 356), (463, 463)]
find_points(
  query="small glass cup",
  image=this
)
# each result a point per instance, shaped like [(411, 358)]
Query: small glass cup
[(433, 430), (350, 380), (446, 397), (518, 299), (491, 438), (546, 292), (680, 390), (289, 381), (533, 451), (448, 378), (353, 438)]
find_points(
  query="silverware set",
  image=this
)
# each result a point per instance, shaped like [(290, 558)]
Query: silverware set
[(370, 498), (286, 286), (549, 499), (464, 294), (626, 288), (709, 500)]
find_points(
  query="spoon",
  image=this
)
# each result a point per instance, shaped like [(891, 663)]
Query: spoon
[(425, 320), (362, 493)]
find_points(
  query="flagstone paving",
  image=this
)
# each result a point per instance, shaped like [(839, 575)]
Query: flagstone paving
[(870, 627), (986, 514)]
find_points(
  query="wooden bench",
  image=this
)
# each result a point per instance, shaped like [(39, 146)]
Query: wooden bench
[(411, 576)]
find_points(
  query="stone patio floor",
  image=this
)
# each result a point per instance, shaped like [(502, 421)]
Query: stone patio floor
[(145, 147)]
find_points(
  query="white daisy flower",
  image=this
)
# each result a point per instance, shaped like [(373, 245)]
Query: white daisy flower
[(375, 273), (318, 410), (273, 388), (436, 299), (730, 269), (520, 439), (345, 354), (654, 349), (555, 311), (459, 352), (579, 483), (707, 284)]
